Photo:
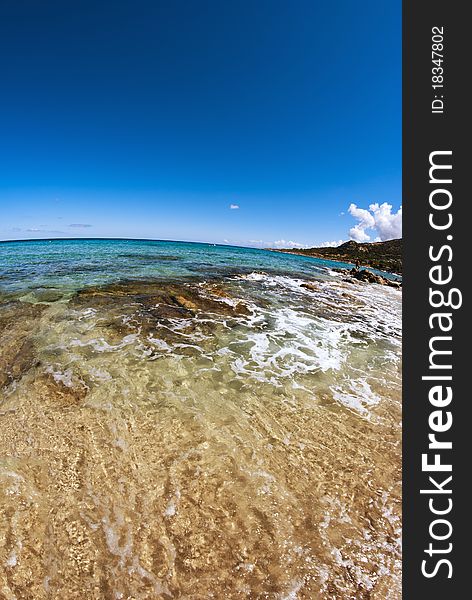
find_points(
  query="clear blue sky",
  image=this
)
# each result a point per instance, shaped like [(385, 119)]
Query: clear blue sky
[(149, 118)]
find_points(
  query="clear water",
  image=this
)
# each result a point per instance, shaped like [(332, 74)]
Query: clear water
[(72, 264), (191, 421)]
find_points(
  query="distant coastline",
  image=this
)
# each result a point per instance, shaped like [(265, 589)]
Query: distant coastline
[(384, 256)]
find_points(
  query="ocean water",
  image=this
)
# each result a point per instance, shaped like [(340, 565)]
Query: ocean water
[(72, 264), (184, 420)]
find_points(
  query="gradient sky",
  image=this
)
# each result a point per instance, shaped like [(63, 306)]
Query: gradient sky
[(150, 118)]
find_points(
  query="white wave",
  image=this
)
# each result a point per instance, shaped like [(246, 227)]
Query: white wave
[(358, 396), (294, 343), (101, 345), (99, 374), (64, 377)]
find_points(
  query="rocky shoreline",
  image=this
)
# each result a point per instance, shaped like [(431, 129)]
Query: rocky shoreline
[(353, 275), (383, 256)]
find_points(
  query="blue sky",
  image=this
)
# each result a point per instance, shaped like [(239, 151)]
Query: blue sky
[(150, 118)]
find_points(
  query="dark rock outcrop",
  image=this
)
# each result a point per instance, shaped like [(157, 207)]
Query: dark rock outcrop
[(384, 256), (368, 277)]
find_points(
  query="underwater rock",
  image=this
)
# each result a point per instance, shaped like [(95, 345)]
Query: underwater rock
[(60, 389), (186, 303), (18, 321), (151, 257), (150, 310), (166, 300)]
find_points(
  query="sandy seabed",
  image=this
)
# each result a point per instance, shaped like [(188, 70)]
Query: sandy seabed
[(231, 439)]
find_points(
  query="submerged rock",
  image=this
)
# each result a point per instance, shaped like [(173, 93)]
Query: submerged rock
[(165, 311), (186, 303), (169, 300), (151, 257), (18, 321), (60, 389)]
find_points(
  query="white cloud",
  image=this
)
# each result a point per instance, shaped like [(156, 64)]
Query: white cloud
[(234, 206), (379, 218), (387, 224), (287, 244), (276, 244), (357, 233), (366, 221), (37, 230), (333, 244)]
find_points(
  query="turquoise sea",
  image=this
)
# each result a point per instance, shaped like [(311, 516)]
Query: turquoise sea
[(71, 264)]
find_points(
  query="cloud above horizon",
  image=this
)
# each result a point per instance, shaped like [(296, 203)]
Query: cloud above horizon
[(276, 244), (379, 219), (288, 244), (37, 230), (331, 244), (234, 206), (80, 225)]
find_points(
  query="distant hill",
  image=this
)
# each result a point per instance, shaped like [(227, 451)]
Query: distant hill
[(385, 256)]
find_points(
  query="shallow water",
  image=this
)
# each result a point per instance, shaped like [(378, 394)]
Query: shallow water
[(218, 423)]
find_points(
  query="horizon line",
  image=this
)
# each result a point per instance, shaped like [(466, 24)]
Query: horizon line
[(126, 239)]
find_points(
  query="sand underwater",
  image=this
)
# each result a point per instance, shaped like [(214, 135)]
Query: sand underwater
[(193, 421)]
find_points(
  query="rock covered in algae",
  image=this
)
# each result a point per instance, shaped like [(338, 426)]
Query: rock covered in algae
[(18, 321)]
